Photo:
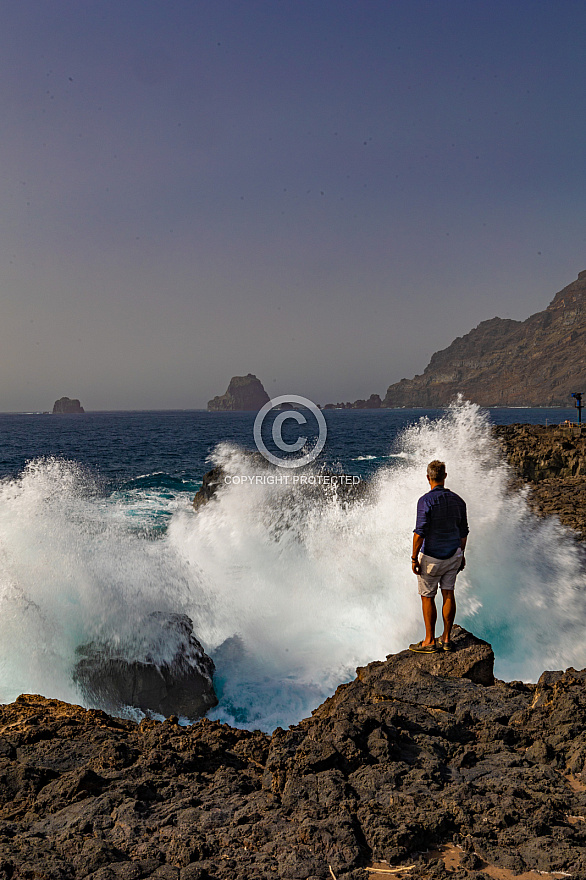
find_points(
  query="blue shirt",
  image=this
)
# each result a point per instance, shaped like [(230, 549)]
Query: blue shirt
[(441, 522)]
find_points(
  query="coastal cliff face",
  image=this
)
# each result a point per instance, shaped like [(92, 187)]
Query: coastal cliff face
[(416, 752), (552, 461), (244, 393), (537, 362)]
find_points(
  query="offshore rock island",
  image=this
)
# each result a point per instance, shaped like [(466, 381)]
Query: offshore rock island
[(67, 405), (244, 393)]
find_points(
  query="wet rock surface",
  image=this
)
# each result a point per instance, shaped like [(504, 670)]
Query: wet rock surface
[(181, 686), (416, 752), (552, 460), (303, 486)]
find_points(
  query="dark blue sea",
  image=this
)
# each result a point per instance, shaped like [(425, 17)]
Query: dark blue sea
[(288, 594)]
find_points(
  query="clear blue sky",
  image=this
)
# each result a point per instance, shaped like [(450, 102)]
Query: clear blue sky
[(321, 192)]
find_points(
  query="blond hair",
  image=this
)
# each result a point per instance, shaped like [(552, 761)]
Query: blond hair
[(436, 471)]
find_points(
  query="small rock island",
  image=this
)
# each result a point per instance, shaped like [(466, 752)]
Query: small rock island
[(244, 393), (67, 405)]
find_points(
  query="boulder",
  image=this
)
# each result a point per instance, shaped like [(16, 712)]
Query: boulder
[(210, 484), (109, 679), (410, 676), (343, 486), (66, 405), (244, 393)]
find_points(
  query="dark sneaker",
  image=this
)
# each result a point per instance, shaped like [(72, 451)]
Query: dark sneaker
[(420, 648), (444, 646)]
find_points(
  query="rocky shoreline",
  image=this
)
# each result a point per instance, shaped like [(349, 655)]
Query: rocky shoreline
[(422, 763), (551, 460), (415, 753)]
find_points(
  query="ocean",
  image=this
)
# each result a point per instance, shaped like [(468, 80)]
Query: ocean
[(288, 591)]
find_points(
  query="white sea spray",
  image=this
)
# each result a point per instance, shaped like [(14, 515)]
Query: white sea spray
[(288, 590)]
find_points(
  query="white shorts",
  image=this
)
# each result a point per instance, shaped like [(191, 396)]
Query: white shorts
[(438, 573)]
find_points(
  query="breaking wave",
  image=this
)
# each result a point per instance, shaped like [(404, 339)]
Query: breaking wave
[(288, 590)]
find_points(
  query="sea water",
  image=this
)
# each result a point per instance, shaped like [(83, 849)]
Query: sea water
[(288, 590)]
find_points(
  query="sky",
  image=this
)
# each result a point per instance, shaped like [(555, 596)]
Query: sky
[(319, 192)]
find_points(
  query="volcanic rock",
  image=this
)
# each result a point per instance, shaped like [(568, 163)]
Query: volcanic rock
[(552, 460), (373, 402), (67, 405), (537, 362), (402, 760), (345, 487), (244, 393), (182, 686), (211, 481)]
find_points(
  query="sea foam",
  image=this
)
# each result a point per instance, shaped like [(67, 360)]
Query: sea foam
[(311, 590), (288, 590)]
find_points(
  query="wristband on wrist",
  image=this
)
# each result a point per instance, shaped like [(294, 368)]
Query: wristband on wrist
[(415, 558)]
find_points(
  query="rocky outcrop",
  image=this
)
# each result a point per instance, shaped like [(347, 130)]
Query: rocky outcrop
[(312, 488), (539, 452), (182, 686), (244, 393), (67, 405), (373, 402), (405, 758), (211, 482), (552, 460), (537, 362)]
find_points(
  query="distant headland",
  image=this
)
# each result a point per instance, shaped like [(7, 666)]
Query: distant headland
[(536, 362)]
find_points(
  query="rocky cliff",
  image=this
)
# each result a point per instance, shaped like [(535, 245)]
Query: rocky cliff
[(537, 362), (552, 460), (67, 405), (244, 393), (416, 754)]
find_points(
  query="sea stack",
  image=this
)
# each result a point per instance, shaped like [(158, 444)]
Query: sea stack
[(67, 405), (244, 393)]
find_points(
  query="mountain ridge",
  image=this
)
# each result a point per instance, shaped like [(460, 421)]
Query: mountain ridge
[(502, 362)]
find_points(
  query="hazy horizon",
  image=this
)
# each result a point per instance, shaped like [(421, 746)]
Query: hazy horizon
[(319, 193)]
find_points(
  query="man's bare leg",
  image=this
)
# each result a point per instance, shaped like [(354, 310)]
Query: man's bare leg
[(429, 618), (448, 613)]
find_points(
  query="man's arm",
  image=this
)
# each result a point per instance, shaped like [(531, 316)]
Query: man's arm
[(463, 547), (417, 544), (463, 537)]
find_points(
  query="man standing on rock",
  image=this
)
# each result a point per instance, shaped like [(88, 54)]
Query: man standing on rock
[(440, 535)]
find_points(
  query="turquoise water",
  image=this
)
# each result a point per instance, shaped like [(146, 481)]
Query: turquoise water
[(287, 591)]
